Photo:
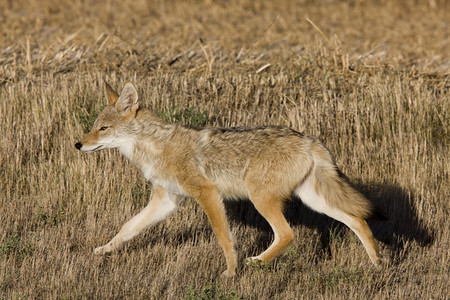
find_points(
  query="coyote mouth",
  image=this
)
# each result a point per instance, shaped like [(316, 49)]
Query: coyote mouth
[(100, 147)]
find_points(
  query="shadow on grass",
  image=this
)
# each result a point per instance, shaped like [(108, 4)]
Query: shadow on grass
[(403, 224)]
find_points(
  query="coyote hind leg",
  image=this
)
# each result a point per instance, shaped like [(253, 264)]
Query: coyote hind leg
[(358, 225), (161, 205), (270, 207)]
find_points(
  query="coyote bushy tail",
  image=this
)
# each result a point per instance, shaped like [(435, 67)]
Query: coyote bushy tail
[(334, 186)]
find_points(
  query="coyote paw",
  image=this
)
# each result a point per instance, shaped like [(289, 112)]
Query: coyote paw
[(229, 273), (254, 261), (380, 261), (99, 251), (102, 250)]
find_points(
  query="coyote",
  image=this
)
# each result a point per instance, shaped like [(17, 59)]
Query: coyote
[(267, 165)]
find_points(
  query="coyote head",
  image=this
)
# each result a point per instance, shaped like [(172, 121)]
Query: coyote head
[(112, 127)]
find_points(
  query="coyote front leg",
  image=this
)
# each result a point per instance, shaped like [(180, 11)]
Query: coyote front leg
[(209, 199), (161, 205)]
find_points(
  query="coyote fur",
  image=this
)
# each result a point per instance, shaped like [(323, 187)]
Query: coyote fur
[(266, 164)]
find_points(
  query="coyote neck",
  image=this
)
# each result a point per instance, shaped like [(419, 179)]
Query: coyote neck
[(150, 142)]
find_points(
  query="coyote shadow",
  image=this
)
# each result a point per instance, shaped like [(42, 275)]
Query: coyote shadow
[(397, 204)]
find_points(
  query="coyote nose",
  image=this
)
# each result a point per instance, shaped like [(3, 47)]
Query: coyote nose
[(78, 145)]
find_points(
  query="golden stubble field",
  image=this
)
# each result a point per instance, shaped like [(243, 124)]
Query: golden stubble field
[(370, 78)]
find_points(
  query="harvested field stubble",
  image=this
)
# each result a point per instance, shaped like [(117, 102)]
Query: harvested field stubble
[(371, 79)]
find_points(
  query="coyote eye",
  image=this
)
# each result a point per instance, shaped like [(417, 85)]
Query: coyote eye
[(103, 128)]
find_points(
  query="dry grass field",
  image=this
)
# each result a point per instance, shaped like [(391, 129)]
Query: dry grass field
[(370, 78)]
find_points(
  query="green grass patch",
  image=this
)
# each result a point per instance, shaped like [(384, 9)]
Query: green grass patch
[(51, 218), (16, 245), (186, 116), (211, 292)]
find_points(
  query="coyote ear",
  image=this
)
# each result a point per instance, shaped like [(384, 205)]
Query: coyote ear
[(111, 95), (128, 100)]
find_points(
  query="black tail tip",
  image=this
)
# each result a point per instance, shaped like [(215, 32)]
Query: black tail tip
[(378, 215), (78, 145)]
